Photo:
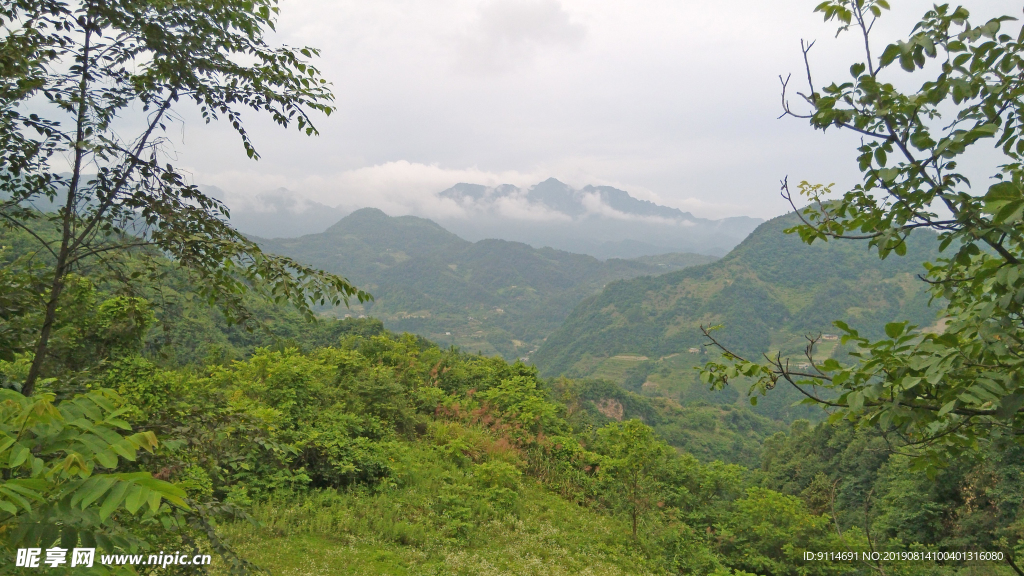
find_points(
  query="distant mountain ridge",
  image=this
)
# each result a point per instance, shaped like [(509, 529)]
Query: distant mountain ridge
[(601, 221), (562, 198), (494, 296), (278, 213)]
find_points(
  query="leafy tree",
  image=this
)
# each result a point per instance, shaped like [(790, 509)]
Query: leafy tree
[(634, 459), (523, 401), (936, 394), (767, 530), (53, 489), (71, 70)]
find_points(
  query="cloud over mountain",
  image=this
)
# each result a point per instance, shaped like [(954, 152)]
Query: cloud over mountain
[(599, 220), (555, 200)]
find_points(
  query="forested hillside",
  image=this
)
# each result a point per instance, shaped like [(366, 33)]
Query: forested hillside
[(342, 448), (768, 294), (176, 400), (492, 296)]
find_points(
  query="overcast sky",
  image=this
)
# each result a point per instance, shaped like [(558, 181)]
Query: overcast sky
[(672, 100)]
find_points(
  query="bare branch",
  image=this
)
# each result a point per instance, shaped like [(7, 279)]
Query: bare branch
[(807, 66), (786, 110)]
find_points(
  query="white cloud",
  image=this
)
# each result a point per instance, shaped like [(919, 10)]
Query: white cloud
[(402, 187), (398, 188), (519, 208), (595, 206), (507, 33), (269, 201), (673, 101)]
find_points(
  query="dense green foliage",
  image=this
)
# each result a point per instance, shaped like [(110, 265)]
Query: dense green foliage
[(708, 431), (361, 451), (343, 447), (387, 454), (458, 435), (769, 293), (72, 71), (490, 296), (54, 490), (940, 394), (850, 473)]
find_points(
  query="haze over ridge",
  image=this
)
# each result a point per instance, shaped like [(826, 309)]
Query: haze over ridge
[(601, 221)]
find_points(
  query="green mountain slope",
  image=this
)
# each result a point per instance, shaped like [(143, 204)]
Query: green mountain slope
[(768, 293), (493, 296)]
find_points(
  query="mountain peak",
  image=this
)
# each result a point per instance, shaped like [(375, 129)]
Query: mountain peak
[(621, 200), (367, 213), (555, 195), (558, 196), (387, 230), (465, 190)]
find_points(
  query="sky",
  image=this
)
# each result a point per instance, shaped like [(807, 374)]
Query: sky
[(674, 101)]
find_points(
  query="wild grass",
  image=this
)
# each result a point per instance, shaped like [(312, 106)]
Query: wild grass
[(435, 518)]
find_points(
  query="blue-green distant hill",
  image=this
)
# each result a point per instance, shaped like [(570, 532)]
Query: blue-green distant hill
[(492, 296), (768, 293)]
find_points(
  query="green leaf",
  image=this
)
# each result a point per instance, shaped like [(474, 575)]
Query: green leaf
[(154, 501), (125, 449), (891, 52), (136, 498), (855, 400), (107, 459), (113, 500), (985, 130), (1005, 202), (95, 491), (19, 453), (16, 498), (888, 175), (885, 419), (1009, 405), (894, 329)]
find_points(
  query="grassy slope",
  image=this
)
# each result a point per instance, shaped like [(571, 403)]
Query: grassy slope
[(396, 532), (768, 293), (491, 296)]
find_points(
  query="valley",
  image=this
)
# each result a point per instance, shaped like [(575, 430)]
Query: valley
[(491, 296), (355, 446), (768, 296), (633, 324)]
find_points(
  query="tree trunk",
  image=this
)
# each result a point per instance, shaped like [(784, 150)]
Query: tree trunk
[(1009, 561), (60, 270)]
